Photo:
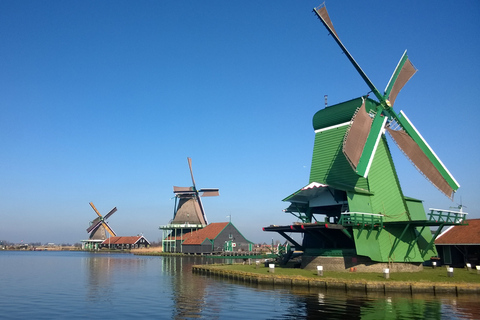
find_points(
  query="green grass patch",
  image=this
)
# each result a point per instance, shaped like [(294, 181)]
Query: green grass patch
[(428, 275)]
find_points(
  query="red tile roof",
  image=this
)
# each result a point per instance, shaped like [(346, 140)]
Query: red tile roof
[(461, 234), (122, 240), (209, 232)]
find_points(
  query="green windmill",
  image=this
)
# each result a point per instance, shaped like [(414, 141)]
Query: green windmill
[(354, 185)]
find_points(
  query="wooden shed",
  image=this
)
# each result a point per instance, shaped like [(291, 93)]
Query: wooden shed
[(216, 238), (126, 242), (459, 245)]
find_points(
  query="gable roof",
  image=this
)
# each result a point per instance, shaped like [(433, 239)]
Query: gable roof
[(209, 232), (123, 240), (469, 234)]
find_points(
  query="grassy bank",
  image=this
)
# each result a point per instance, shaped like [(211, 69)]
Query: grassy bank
[(428, 275)]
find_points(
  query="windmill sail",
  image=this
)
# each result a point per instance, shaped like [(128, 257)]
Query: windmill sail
[(210, 192), (95, 224), (322, 13), (411, 149), (110, 213), (403, 72), (109, 229), (356, 136), (414, 146)]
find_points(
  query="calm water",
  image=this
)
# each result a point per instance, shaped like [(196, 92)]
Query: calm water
[(80, 285)]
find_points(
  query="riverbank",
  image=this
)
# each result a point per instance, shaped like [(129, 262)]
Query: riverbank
[(432, 281), (157, 251)]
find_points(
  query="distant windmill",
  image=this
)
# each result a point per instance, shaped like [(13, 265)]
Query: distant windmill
[(188, 204), (99, 225)]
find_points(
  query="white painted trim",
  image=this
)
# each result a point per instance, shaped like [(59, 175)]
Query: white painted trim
[(334, 127), (451, 211), (376, 146), (388, 83)]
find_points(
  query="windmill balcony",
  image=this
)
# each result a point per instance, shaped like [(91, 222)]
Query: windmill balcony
[(447, 216), (352, 219)]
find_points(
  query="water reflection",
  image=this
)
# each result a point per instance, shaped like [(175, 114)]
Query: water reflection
[(314, 303), (165, 287), (102, 270), (188, 291)]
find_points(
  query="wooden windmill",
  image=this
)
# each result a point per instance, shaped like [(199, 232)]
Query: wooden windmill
[(188, 215), (354, 184), (99, 227), (188, 203)]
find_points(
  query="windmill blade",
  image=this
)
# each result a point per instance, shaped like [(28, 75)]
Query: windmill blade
[(110, 213), (95, 224), (414, 146), (209, 192), (403, 72), (191, 171), (371, 144), (95, 209), (110, 230), (182, 189), (200, 204), (322, 14), (357, 135)]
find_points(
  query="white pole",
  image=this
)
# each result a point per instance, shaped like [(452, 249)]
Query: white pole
[(320, 271)]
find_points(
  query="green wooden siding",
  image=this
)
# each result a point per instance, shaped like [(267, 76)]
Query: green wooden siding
[(359, 202), (329, 165), (388, 199), (416, 209)]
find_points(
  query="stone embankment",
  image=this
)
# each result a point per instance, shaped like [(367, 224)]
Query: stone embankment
[(339, 284)]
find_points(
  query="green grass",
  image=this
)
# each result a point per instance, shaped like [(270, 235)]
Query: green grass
[(428, 275)]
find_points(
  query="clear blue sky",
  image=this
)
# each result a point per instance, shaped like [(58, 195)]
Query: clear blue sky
[(103, 101)]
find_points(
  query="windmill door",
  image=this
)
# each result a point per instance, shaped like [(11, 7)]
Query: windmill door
[(228, 246)]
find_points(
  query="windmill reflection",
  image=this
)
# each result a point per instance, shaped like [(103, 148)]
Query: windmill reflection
[(189, 291), (102, 271)]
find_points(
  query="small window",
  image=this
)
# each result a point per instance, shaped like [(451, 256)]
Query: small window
[(230, 236)]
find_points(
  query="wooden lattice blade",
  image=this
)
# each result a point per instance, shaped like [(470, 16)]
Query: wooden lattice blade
[(371, 144), (209, 192), (110, 230), (182, 189), (95, 223), (403, 72), (414, 146), (110, 213), (356, 136), (322, 14), (202, 210), (191, 171), (95, 209)]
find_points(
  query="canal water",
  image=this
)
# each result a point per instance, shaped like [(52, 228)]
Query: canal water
[(82, 285)]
